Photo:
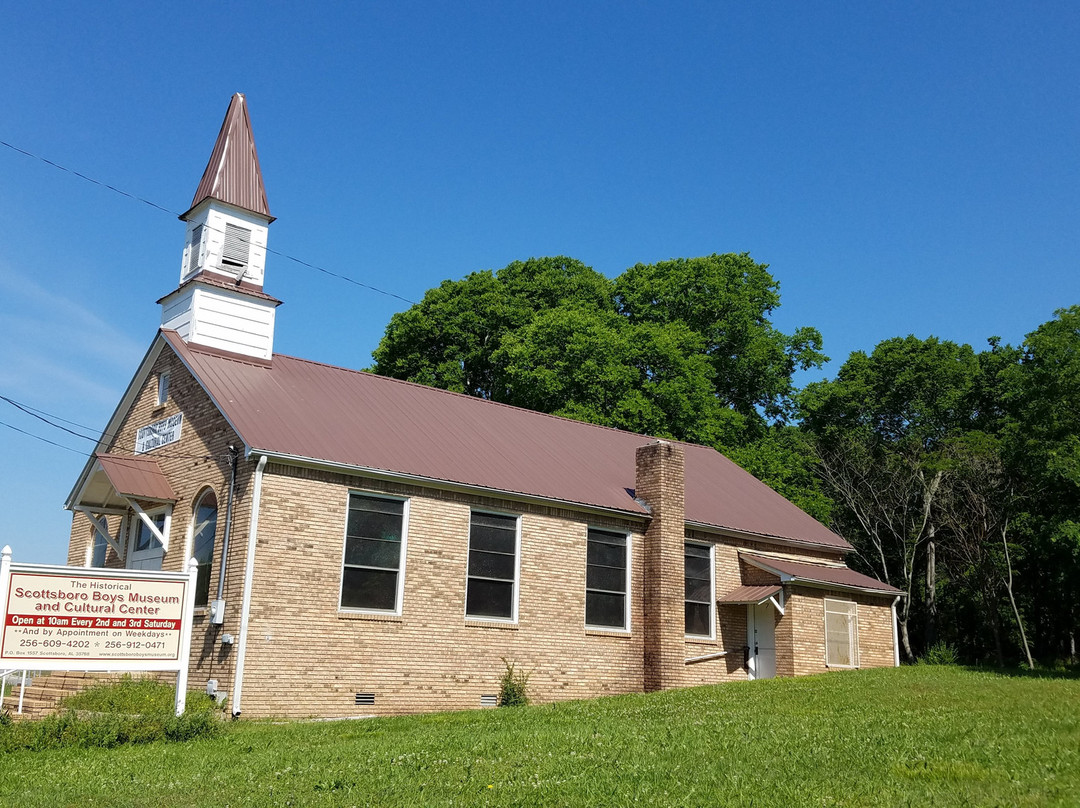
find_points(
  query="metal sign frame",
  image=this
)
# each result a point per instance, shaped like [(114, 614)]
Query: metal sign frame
[(128, 632)]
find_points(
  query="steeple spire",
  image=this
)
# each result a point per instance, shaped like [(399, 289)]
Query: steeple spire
[(233, 175), (220, 302)]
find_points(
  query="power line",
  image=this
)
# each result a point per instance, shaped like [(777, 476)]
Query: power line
[(43, 440), (164, 209), (40, 415)]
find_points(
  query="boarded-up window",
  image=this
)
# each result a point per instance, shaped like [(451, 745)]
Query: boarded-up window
[(237, 246), (195, 250), (841, 634)]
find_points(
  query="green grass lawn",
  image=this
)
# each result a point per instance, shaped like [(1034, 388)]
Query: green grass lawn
[(914, 736)]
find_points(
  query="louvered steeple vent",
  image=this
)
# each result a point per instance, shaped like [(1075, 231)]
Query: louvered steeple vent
[(220, 302)]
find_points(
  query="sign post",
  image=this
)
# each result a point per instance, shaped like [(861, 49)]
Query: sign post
[(95, 619)]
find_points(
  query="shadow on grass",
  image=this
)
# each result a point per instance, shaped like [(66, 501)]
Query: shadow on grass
[(1023, 672)]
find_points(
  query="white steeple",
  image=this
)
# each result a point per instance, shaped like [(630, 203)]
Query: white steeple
[(220, 302)]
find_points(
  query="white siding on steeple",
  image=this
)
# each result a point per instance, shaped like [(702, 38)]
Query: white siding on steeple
[(224, 231), (221, 318)]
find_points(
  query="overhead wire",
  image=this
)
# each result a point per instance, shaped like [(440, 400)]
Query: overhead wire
[(164, 209), (41, 416)]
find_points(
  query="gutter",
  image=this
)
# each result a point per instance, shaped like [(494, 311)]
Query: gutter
[(447, 485), (895, 638), (249, 575)]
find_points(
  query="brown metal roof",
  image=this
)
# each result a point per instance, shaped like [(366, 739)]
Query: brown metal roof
[(233, 174), (333, 415), (210, 279), (743, 595), (820, 574), (136, 477)]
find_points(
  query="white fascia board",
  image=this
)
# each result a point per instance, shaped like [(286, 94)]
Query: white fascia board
[(765, 537), (122, 409), (445, 485)]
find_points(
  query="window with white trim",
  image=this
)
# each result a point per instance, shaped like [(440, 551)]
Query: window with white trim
[(371, 577), (99, 551), (237, 245), (606, 579), (841, 634), (699, 593), (491, 589), (162, 389), (204, 531)]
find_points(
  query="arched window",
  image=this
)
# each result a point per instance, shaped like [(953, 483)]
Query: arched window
[(205, 528)]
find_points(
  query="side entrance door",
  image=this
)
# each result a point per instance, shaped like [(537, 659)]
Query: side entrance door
[(145, 552), (761, 637)]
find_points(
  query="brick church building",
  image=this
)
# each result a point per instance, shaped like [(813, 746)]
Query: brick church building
[(368, 546)]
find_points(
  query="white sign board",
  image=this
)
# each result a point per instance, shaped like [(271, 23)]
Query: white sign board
[(159, 433), (93, 619)]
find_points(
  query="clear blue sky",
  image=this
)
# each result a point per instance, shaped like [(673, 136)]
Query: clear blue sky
[(903, 168)]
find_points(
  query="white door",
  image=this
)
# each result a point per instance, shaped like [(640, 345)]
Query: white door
[(761, 637), (146, 551)]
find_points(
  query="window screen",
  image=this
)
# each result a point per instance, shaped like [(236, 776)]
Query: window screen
[(698, 584), (492, 566), (372, 553), (605, 579)]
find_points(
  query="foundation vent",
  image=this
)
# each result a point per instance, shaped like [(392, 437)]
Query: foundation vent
[(489, 700), (365, 698)]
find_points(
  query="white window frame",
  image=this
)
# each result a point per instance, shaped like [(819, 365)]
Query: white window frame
[(189, 551), (517, 569), (850, 608), (399, 595), (194, 258), (162, 388), (712, 590), (625, 628), (135, 525)]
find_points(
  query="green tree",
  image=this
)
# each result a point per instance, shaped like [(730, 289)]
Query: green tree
[(727, 300), (879, 429)]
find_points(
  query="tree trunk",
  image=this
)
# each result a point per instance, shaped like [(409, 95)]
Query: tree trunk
[(904, 641), (931, 594), (1012, 600)]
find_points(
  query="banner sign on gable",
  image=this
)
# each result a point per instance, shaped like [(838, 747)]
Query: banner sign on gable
[(159, 433)]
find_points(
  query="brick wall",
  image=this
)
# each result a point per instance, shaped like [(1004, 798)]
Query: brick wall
[(199, 460), (306, 657)]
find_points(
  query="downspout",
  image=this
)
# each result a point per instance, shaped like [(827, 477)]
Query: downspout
[(233, 455), (895, 639), (249, 574)]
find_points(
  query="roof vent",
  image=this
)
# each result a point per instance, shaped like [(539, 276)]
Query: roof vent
[(365, 698)]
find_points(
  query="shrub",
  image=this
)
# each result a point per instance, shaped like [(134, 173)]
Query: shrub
[(131, 711), (514, 686), (940, 653)]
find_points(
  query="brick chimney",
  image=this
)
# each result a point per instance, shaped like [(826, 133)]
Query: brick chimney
[(660, 481)]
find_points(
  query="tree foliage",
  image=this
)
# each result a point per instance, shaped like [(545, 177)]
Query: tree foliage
[(681, 349)]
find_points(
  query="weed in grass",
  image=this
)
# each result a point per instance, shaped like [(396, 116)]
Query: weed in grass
[(514, 686)]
